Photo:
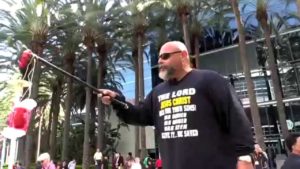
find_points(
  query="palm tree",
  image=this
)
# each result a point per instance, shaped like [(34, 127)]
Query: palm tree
[(262, 17), (183, 11), (67, 40), (89, 43), (250, 86), (55, 109), (90, 34), (196, 32), (201, 16), (102, 56), (69, 59), (104, 44), (262, 59), (134, 24)]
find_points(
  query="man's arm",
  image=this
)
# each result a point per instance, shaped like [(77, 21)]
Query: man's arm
[(244, 165), (141, 114), (231, 115)]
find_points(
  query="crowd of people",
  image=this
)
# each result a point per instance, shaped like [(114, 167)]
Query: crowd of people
[(260, 159), (130, 162), (101, 162), (44, 161)]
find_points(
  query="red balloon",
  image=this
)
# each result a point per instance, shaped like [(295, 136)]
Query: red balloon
[(24, 59), (18, 119)]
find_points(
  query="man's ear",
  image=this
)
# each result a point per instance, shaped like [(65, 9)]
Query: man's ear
[(293, 147), (185, 54)]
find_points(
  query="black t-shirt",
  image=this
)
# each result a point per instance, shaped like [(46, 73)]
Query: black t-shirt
[(199, 120), (292, 162)]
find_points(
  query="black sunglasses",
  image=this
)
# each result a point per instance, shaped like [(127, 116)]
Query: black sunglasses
[(165, 56)]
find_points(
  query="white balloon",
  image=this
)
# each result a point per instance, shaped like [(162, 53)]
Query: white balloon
[(12, 133), (28, 104)]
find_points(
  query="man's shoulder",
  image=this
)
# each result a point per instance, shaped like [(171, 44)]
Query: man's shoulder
[(291, 162), (52, 166), (208, 73), (209, 77)]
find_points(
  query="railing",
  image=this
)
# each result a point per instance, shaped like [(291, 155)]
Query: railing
[(271, 128), (273, 102)]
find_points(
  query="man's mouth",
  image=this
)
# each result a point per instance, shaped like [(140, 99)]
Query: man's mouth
[(162, 67)]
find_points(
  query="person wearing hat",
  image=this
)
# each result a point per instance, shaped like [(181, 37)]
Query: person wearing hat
[(45, 161)]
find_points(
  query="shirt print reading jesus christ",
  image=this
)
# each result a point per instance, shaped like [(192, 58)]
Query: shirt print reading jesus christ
[(175, 108)]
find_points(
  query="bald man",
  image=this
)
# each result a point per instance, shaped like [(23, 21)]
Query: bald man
[(199, 120)]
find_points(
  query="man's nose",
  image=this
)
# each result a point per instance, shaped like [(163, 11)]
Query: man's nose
[(160, 61)]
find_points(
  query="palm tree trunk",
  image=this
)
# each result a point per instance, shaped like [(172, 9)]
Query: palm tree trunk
[(39, 133), (48, 132), (69, 61), (93, 118), (141, 90), (275, 78), (250, 86), (197, 52), (137, 128), (100, 120), (38, 49), (54, 110), (86, 143), (264, 70), (102, 57), (186, 35)]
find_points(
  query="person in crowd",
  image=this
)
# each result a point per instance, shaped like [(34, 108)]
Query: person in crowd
[(158, 164), (260, 158), (293, 144), (72, 164), (136, 164), (98, 158), (64, 165), (105, 162), (129, 160), (118, 162), (148, 162), (59, 165), (45, 161)]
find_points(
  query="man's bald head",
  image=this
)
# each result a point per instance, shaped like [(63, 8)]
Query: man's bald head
[(174, 61), (173, 46)]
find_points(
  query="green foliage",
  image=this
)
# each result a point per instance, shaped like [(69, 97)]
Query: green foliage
[(8, 95), (6, 99)]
